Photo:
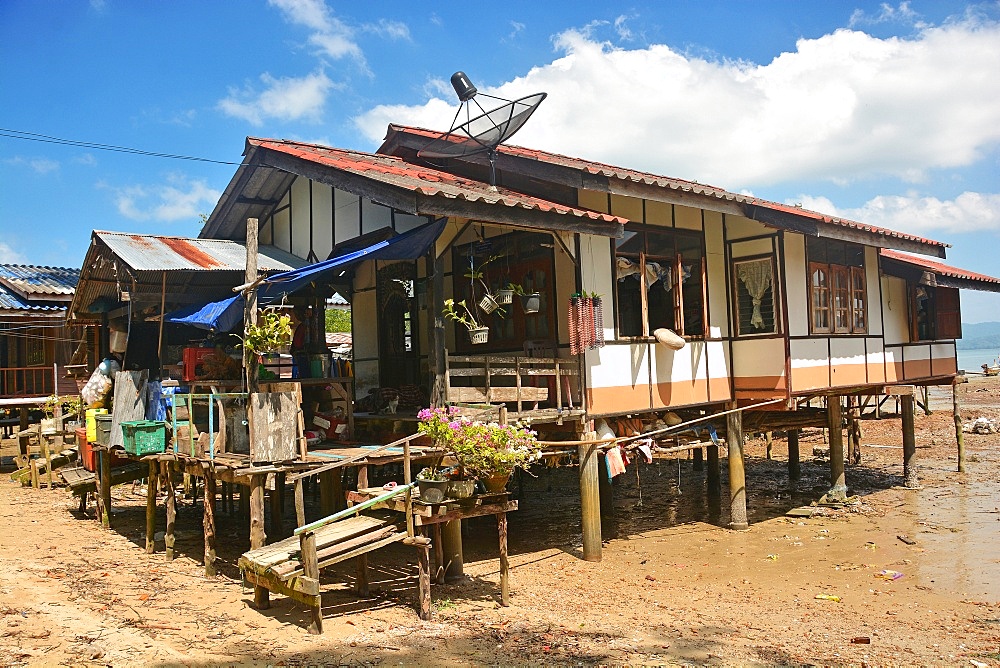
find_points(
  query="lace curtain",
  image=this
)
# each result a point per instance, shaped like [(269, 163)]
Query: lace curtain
[(756, 277)]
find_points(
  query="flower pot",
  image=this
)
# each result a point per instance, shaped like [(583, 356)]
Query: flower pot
[(505, 296), (461, 489), (479, 335), (432, 491), (496, 483), (488, 304), (531, 303)]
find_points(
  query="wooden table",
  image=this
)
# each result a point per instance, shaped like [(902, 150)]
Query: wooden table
[(432, 516)]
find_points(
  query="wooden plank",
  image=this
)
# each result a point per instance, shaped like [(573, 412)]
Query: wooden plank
[(129, 402), (310, 569), (498, 394), (273, 426)]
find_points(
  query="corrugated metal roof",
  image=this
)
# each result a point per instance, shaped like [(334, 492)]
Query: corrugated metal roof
[(636, 176), (148, 252), (35, 288), (423, 180), (938, 268)]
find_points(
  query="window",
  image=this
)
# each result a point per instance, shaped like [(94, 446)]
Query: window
[(660, 282), (837, 290), (754, 289), (937, 315)]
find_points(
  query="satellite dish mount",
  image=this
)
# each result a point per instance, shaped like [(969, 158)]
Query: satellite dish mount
[(481, 131)]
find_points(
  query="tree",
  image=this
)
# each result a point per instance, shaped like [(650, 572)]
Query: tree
[(338, 320)]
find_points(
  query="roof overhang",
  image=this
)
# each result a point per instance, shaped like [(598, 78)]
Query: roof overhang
[(922, 271), (576, 173)]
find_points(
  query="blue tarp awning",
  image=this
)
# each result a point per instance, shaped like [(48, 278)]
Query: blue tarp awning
[(219, 316), (407, 246), (224, 315)]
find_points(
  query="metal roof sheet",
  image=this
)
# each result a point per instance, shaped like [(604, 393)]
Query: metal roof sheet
[(149, 252), (692, 187), (36, 288), (938, 268), (423, 180)]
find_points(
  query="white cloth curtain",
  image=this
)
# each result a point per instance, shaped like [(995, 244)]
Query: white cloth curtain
[(756, 277)]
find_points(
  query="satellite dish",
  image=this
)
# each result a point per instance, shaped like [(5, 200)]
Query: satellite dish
[(482, 131)]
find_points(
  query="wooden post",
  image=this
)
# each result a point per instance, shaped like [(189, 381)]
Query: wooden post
[(713, 478), (104, 464), (168, 537), (361, 575), (209, 520), (310, 569), (362, 477), (590, 498), (261, 596), (910, 479), (835, 418), (47, 454), (451, 547), (327, 500), (769, 444), (504, 564), (957, 415), (438, 554), (151, 506), (438, 353), (737, 472), (300, 503), (424, 580), (794, 469), (607, 492), (854, 431), (22, 437), (278, 506), (698, 462), (250, 317)]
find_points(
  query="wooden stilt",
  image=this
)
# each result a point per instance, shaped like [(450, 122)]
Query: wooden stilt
[(451, 546), (361, 575), (769, 444), (698, 461), (362, 477), (104, 464), (854, 431), (713, 479), (957, 415), (258, 537), (504, 564), (166, 469), (910, 478), (327, 502), (590, 498), (439, 561), (151, 506), (277, 503), (607, 492), (22, 438), (209, 520), (300, 502), (424, 581), (737, 472), (47, 454), (310, 569), (838, 481), (243, 508), (794, 468)]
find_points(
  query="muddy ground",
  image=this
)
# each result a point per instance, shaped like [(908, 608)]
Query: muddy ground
[(673, 587)]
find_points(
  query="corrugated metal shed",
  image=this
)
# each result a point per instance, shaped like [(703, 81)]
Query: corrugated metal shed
[(148, 252), (34, 288)]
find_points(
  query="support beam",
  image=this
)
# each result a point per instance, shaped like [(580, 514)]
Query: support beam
[(310, 569), (698, 463), (590, 498), (504, 564), (261, 597), (713, 478), (424, 580), (209, 520), (451, 548), (300, 502), (957, 415), (737, 472), (854, 431), (104, 466), (168, 537), (794, 468), (910, 479), (151, 506), (835, 419)]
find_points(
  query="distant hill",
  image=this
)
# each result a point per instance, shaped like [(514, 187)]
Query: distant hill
[(979, 336)]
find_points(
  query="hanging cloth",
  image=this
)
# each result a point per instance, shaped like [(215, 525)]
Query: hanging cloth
[(756, 276)]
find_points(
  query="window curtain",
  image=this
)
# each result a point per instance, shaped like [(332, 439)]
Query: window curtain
[(756, 277)]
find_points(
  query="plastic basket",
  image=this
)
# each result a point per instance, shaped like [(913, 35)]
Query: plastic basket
[(145, 437)]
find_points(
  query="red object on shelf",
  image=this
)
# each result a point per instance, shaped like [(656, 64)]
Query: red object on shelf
[(192, 358), (87, 455)]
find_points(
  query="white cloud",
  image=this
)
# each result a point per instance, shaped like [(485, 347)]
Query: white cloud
[(179, 198), (285, 99), (841, 107), (333, 37), (40, 166), (10, 256), (389, 29), (969, 212)]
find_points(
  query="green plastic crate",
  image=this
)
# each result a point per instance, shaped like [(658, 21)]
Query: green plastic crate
[(145, 437)]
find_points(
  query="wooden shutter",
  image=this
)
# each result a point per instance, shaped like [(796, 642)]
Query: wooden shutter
[(948, 316)]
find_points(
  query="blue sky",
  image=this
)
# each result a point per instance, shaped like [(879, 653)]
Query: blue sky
[(884, 113)]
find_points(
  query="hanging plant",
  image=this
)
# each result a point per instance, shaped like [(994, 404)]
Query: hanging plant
[(531, 302), (460, 313), (272, 332)]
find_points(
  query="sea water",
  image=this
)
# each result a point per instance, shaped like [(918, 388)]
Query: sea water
[(973, 360)]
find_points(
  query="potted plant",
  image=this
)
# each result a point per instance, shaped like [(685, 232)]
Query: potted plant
[(531, 302), (272, 333), (489, 302), (433, 485), (505, 295), (49, 422), (440, 425), (460, 313)]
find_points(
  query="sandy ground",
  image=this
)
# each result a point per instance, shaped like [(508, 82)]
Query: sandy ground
[(673, 587)]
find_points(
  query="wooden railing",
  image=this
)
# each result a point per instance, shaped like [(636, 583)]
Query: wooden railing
[(27, 381), (512, 379)]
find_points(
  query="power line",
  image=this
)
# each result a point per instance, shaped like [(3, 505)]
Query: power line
[(48, 139)]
